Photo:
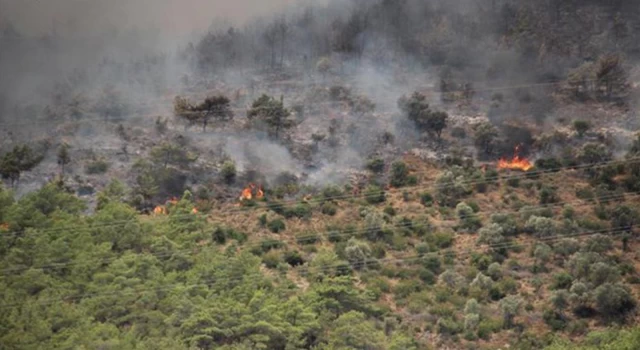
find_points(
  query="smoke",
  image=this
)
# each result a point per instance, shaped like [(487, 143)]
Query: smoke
[(69, 60), (252, 152), (131, 45), (170, 19)]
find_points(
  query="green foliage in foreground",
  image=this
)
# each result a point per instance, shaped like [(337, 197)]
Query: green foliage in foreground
[(603, 340), (118, 280)]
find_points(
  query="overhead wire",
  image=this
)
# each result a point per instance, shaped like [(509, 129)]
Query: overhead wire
[(331, 234), (240, 278), (282, 204)]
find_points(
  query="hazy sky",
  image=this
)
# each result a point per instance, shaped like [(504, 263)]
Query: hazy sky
[(167, 16)]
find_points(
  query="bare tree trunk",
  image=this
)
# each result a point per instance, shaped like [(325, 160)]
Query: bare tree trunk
[(273, 56), (282, 50)]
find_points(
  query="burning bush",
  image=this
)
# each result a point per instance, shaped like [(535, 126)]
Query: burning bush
[(515, 163)]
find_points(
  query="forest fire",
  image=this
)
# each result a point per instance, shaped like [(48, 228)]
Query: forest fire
[(252, 191), (516, 163), (247, 193), (160, 210), (4, 227)]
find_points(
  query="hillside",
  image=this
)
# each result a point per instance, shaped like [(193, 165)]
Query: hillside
[(342, 175)]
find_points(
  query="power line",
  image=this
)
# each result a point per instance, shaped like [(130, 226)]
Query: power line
[(239, 277), (362, 196), (327, 234)]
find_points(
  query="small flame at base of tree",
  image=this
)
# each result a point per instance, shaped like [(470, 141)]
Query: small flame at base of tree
[(516, 163), (162, 209)]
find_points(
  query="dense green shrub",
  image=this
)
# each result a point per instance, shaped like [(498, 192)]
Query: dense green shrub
[(581, 127), (399, 174), (262, 220), (228, 172), (307, 237), (293, 258), (332, 192), (562, 280), (426, 199), (276, 226), (488, 327), (329, 208), (548, 164), (376, 165), (540, 226), (389, 210), (374, 194), (272, 259), (448, 326), (443, 239), (614, 301), (300, 210), (451, 188), (427, 276), (507, 223), (468, 220), (554, 320), (98, 166), (431, 262), (548, 195)]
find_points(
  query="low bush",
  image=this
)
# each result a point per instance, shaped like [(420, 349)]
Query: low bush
[(329, 208), (374, 194), (488, 327), (376, 165), (97, 167), (305, 238), (299, 211), (426, 199), (293, 258), (272, 259), (276, 226), (399, 174), (561, 280), (554, 320)]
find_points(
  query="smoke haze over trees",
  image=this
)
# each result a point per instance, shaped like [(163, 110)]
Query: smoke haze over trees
[(305, 174)]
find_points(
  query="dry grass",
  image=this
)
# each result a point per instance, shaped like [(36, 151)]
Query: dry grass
[(494, 201)]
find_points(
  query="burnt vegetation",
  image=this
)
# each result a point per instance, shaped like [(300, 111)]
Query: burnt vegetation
[(385, 174)]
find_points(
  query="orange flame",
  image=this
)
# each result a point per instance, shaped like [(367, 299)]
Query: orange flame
[(4, 227), (194, 211), (516, 163), (260, 194), (247, 193), (173, 201), (160, 210)]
